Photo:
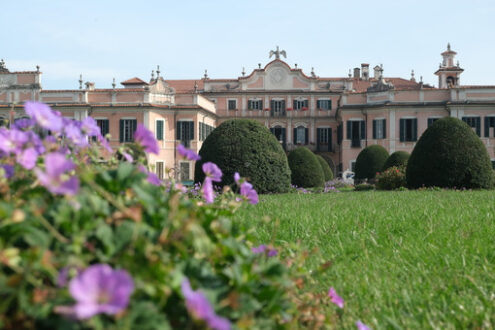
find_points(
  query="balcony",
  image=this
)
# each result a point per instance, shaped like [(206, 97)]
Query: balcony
[(278, 113)]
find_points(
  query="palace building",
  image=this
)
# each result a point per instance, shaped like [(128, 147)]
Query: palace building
[(337, 116)]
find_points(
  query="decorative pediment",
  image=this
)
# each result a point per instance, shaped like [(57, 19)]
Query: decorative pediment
[(277, 75)]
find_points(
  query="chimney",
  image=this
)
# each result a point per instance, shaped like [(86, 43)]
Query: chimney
[(365, 71), (90, 86), (357, 73)]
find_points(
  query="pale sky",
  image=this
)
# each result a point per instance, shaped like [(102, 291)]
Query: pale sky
[(104, 39)]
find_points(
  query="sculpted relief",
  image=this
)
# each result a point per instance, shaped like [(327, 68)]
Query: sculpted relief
[(278, 78)]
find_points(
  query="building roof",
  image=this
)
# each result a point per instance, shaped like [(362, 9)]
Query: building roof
[(134, 81), (185, 86)]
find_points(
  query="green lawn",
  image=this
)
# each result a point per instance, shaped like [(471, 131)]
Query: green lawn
[(412, 259)]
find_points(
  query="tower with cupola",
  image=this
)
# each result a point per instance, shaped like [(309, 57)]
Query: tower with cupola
[(449, 73)]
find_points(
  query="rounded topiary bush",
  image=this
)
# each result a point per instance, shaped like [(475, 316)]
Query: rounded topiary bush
[(370, 161), (327, 172), (247, 147), (449, 154), (398, 158), (330, 163), (306, 169)]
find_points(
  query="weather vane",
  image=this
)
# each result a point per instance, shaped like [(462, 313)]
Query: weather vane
[(277, 53)]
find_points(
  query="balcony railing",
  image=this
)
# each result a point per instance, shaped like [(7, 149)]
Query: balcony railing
[(277, 113)]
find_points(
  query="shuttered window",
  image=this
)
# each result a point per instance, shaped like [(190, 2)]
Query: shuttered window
[(324, 104), (408, 129), (474, 123), (324, 139), (379, 129), (127, 127), (356, 130), (300, 135), (255, 105), (159, 130), (299, 104), (489, 124)]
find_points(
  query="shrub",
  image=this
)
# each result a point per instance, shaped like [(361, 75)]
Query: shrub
[(396, 159), (330, 163), (247, 147), (392, 178), (327, 172), (306, 169), (370, 161), (449, 154), (364, 187), (80, 238)]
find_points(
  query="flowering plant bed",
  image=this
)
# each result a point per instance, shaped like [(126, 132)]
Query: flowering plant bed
[(100, 243)]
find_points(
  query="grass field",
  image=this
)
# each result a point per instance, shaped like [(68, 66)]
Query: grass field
[(411, 259)]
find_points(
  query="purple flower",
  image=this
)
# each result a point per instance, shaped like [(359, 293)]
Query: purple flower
[(104, 143), (55, 178), (145, 138), (260, 249), (208, 192), (272, 252), (151, 177), (362, 326), (23, 123), (212, 171), (100, 289), (335, 298), (27, 158), (248, 192), (90, 127), (201, 309), (128, 157), (187, 153), (12, 140), (44, 116), (9, 170), (74, 134), (237, 177)]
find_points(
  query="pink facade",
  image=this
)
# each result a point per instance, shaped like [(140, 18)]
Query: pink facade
[(334, 116)]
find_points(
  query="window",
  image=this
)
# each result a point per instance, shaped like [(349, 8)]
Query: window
[(356, 131), (324, 104), (408, 129), (104, 126), (474, 123), (232, 104), (299, 104), (204, 131), (184, 171), (324, 139), (185, 132), (277, 108), (127, 129), (300, 135), (159, 170), (489, 123), (255, 105), (431, 121), (159, 130), (379, 128)]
